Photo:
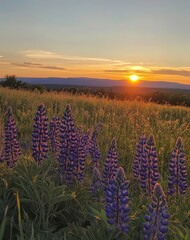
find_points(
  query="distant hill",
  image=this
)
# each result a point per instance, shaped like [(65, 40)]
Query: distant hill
[(97, 82)]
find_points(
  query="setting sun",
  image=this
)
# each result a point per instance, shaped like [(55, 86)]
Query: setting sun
[(134, 78)]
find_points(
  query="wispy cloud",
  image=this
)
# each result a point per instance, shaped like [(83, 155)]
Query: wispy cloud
[(41, 54), (168, 71), (32, 65), (184, 72), (39, 65), (129, 69), (52, 55)]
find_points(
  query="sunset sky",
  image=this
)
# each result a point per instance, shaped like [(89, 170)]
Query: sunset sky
[(96, 38)]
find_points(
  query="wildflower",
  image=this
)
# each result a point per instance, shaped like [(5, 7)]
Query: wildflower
[(96, 182), (140, 154), (117, 209), (177, 170), (94, 148), (68, 146), (40, 135), (111, 163), (156, 225), (12, 148), (82, 152), (149, 168)]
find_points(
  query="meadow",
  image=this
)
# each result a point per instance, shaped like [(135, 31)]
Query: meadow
[(36, 204)]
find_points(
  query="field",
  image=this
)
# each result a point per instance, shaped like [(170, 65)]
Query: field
[(35, 204)]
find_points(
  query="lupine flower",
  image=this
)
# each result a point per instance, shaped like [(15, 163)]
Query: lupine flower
[(94, 148), (54, 134), (117, 210), (40, 135), (156, 225), (177, 170), (81, 155), (12, 148), (111, 163), (139, 155), (68, 146), (149, 167), (96, 183)]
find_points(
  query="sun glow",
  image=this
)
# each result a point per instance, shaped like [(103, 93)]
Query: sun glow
[(134, 78)]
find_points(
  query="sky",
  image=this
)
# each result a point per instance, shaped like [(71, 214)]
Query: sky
[(96, 38)]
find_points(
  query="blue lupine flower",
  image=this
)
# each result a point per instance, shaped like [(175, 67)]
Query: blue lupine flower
[(111, 163), (139, 155), (94, 148), (177, 170), (149, 168), (54, 134), (117, 209), (96, 183), (156, 225), (40, 135), (12, 148), (68, 147), (81, 155)]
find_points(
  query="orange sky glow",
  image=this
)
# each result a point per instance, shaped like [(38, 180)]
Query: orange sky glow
[(96, 39)]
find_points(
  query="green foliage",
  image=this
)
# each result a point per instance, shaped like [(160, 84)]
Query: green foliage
[(40, 194), (98, 230), (3, 224), (180, 233)]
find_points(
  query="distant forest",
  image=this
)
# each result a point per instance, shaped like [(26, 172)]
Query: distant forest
[(161, 96)]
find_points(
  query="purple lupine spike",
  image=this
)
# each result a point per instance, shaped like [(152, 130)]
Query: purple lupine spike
[(94, 148), (68, 147), (177, 170), (111, 163), (86, 140), (82, 154), (12, 148), (156, 225), (149, 168), (139, 155), (117, 209), (96, 183), (40, 135), (54, 134)]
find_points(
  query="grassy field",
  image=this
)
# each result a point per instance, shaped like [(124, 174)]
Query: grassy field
[(78, 216)]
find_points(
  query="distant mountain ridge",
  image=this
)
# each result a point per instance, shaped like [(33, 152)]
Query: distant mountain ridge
[(97, 82)]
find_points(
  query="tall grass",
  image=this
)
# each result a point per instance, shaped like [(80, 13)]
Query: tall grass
[(124, 120)]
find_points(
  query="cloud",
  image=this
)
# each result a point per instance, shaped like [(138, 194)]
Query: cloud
[(152, 70), (32, 65), (171, 71), (137, 69), (52, 55), (41, 54), (39, 65)]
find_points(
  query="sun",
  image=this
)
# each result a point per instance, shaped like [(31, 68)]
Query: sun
[(134, 78)]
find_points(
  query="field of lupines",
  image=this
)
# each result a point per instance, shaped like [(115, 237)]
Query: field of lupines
[(79, 167)]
